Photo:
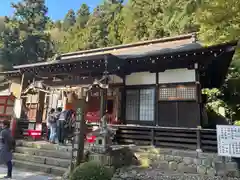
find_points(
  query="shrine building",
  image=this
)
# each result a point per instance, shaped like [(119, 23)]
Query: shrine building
[(151, 83)]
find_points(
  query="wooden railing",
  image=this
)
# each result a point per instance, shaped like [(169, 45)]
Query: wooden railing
[(168, 137)]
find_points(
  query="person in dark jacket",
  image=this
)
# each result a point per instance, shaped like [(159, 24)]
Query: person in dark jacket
[(61, 126), (6, 147), (57, 116)]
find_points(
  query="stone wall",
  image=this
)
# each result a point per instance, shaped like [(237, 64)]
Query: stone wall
[(116, 157), (187, 161)]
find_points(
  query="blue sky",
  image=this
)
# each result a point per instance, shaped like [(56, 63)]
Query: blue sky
[(56, 8)]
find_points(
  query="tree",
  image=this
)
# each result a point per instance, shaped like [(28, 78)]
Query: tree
[(178, 16), (58, 24), (25, 39), (69, 20), (2, 24), (143, 20), (219, 22), (83, 16)]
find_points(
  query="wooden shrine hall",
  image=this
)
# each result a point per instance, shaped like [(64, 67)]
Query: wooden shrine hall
[(150, 83)]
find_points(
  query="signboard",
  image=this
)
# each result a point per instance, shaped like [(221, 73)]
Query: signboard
[(228, 139)]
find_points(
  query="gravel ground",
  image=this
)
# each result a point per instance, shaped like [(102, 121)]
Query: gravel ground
[(135, 173)]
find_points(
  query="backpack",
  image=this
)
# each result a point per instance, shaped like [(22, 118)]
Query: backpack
[(52, 118)]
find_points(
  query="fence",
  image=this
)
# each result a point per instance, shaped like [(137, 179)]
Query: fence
[(168, 137)]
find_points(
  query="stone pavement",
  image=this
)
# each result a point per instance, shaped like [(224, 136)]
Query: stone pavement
[(25, 175)]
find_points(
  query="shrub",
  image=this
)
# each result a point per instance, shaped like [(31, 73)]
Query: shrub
[(91, 171)]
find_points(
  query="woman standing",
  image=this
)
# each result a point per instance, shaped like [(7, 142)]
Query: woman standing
[(6, 147), (52, 123)]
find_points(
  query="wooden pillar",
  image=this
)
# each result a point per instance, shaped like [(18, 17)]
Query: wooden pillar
[(24, 84), (156, 100), (123, 101), (198, 94), (199, 101), (40, 108), (103, 97), (103, 100)]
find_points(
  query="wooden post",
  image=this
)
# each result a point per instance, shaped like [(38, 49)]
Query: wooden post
[(103, 102), (156, 100), (80, 106), (199, 101), (123, 101), (103, 93), (198, 94), (199, 148), (40, 108), (152, 137)]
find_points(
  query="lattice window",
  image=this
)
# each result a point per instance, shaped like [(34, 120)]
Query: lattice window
[(186, 93), (167, 93), (177, 93)]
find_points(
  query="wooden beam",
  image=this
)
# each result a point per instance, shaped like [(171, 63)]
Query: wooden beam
[(70, 82)]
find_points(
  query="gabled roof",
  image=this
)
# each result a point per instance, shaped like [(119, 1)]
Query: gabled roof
[(141, 46)]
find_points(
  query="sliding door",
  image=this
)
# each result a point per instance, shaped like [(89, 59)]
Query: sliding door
[(140, 106)]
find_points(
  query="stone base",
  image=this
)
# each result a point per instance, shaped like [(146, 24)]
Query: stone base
[(116, 157), (192, 162)]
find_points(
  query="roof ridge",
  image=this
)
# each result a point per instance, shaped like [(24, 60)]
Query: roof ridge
[(139, 43)]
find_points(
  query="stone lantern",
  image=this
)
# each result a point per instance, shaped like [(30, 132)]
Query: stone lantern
[(103, 138)]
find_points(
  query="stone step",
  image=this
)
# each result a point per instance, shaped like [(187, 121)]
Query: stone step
[(58, 171), (42, 160), (43, 152), (44, 145)]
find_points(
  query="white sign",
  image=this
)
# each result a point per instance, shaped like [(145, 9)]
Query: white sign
[(228, 139)]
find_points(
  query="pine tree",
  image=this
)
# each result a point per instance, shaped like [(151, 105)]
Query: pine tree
[(69, 20), (83, 16)]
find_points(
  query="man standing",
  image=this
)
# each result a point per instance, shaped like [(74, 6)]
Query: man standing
[(61, 127), (6, 147)]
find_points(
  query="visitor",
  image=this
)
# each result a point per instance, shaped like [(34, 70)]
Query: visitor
[(52, 126), (60, 126), (6, 147)]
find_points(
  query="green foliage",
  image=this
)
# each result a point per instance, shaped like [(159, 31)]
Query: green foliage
[(237, 123), (219, 22), (91, 171), (213, 101)]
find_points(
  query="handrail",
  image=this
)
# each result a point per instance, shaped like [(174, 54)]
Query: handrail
[(160, 127)]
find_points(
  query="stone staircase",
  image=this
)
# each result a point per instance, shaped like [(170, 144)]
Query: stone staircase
[(42, 157)]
